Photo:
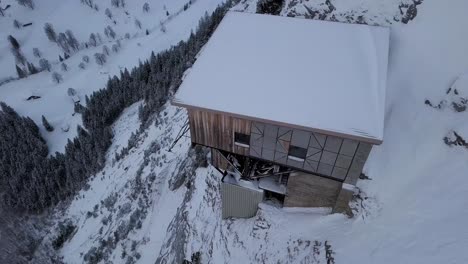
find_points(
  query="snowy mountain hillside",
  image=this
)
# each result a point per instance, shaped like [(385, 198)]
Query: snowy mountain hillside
[(166, 23), (154, 204)]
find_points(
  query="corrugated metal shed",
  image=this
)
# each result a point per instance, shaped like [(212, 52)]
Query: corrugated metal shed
[(239, 201)]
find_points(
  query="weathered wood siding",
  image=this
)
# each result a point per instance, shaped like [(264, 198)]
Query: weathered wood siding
[(217, 130), (331, 156)]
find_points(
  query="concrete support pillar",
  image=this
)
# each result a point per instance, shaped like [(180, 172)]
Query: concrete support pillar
[(343, 199)]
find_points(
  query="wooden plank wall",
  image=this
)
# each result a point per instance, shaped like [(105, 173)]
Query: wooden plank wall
[(217, 130)]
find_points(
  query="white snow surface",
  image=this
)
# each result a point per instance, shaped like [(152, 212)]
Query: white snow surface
[(54, 103), (313, 74)]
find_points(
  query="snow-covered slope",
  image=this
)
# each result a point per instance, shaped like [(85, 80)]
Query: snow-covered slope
[(82, 20), (412, 210)]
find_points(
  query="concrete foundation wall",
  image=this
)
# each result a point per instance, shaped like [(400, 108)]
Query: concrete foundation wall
[(307, 190)]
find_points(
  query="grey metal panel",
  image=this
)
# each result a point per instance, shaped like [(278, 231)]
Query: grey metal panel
[(255, 151), (343, 161), (349, 147), (281, 157), (359, 160), (257, 127), (282, 146), (328, 158), (256, 139), (271, 131), (319, 140), (300, 138), (239, 201), (314, 154), (333, 144), (269, 143), (284, 133), (325, 169), (268, 154), (339, 173), (310, 165)]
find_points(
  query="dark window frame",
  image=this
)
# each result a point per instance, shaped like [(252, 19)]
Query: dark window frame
[(297, 153), (241, 139)]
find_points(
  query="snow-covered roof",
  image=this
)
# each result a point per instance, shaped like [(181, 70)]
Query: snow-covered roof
[(321, 76)]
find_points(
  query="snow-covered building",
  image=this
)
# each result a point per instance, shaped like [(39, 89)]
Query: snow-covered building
[(290, 107)]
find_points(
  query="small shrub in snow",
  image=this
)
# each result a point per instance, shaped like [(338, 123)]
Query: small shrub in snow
[(162, 27), (108, 13), (56, 77), (105, 50), (64, 67), (118, 3), (36, 53), (109, 32), (127, 35), (44, 64), (100, 58), (93, 40), (137, 23), (26, 3), (115, 48), (146, 7), (17, 24), (32, 68), (86, 58), (81, 66)]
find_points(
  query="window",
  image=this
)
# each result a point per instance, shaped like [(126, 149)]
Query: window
[(297, 153), (242, 140)]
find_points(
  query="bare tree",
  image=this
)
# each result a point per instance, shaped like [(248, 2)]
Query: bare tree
[(14, 43), (100, 58), (146, 7), (162, 27), (56, 77), (36, 53)]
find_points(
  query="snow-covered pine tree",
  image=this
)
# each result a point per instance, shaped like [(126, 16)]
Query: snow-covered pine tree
[(21, 73), (146, 7), (64, 67), (108, 13), (44, 64), (13, 42), (32, 68), (50, 32), (46, 124), (36, 52), (56, 77), (26, 3), (100, 58)]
